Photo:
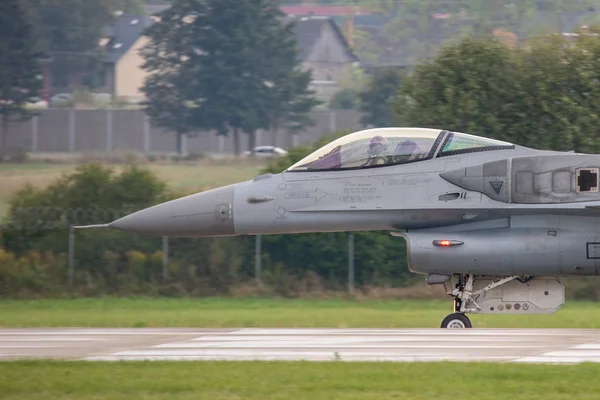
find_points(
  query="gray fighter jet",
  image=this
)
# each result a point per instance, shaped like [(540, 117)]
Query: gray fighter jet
[(497, 224)]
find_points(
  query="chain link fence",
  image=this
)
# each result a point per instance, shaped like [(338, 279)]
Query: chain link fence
[(54, 229)]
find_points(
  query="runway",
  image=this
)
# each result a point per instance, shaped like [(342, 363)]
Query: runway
[(495, 345)]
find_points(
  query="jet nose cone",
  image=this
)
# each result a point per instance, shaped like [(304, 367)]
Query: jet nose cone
[(208, 213)]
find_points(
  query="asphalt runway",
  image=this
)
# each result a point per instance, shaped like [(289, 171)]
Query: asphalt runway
[(497, 345)]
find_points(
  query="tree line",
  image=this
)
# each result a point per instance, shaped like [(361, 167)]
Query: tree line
[(232, 66), (227, 66), (34, 254), (543, 94)]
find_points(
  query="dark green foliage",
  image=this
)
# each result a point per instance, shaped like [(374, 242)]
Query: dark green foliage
[(378, 98), (20, 73), (94, 186), (91, 195), (543, 94), (292, 103), (33, 255), (345, 99), (559, 96), (408, 32), (225, 65), (69, 31), (136, 7), (380, 259), (470, 87)]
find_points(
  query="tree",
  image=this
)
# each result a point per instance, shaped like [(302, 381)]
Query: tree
[(412, 31), (407, 34), (70, 31), (232, 66), (470, 87), (560, 93), (377, 100), (544, 94), (20, 74), (291, 97), (345, 99), (136, 7)]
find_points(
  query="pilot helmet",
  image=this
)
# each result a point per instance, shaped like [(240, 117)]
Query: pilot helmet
[(377, 145)]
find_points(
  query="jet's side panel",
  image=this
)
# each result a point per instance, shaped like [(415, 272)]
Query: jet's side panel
[(272, 205), (538, 179), (552, 179)]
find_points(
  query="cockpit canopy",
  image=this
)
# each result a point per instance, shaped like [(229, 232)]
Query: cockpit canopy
[(391, 146)]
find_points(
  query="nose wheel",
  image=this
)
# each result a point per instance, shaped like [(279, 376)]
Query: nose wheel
[(465, 299), (456, 321)]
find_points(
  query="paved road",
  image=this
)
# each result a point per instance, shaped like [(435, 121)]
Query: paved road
[(500, 345)]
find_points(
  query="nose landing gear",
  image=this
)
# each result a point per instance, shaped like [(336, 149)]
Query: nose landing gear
[(465, 300)]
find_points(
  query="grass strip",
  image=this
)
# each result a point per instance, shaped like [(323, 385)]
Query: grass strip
[(228, 313), (295, 380)]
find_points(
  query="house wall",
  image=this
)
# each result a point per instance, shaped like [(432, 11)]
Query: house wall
[(129, 75)]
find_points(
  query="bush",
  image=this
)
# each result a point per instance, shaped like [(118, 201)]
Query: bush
[(31, 275), (34, 261)]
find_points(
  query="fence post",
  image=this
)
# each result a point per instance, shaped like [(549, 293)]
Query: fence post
[(35, 127), (109, 130), (220, 144), (71, 257), (72, 131), (257, 258), (165, 260), (351, 262), (147, 144), (184, 143)]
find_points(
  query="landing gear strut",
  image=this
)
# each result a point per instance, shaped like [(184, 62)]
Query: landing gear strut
[(465, 300)]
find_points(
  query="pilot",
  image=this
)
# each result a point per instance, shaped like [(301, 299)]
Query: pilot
[(377, 152)]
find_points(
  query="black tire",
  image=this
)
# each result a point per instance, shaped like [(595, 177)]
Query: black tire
[(456, 321)]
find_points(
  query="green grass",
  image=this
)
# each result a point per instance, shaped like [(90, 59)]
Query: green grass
[(270, 313), (295, 380)]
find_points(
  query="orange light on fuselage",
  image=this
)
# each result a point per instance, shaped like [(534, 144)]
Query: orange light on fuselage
[(447, 243)]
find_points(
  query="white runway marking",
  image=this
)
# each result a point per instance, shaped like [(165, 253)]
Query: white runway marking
[(299, 357), (496, 345), (587, 352), (395, 332), (49, 339), (341, 346)]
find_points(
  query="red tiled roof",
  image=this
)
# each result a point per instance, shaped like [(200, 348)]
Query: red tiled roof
[(324, 11)]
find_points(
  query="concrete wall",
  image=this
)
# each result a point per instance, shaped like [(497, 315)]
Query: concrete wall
[(61, 130)]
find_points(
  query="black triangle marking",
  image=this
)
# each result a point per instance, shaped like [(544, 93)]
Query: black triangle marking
[(497, 186)]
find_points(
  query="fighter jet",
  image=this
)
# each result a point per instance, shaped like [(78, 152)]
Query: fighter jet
[(499, 225)]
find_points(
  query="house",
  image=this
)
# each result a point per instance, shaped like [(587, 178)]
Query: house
[(323, 49), (122, 73)]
